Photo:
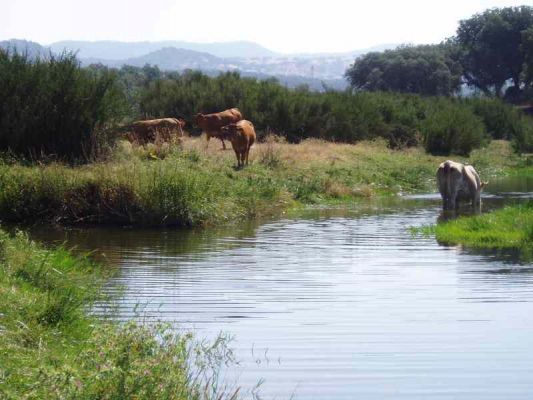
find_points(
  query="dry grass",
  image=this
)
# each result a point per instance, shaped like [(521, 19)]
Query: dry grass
[(308, 152)]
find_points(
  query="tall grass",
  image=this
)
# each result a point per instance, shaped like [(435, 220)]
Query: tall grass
[(49, 347), (187, 185)]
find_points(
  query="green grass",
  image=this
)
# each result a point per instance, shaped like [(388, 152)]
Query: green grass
[(508, 228), (188, 185), (51, 349)]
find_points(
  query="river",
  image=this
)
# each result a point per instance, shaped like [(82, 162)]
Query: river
[(337, 303)]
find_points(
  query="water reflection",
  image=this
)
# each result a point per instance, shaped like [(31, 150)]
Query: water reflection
[(338, 303)]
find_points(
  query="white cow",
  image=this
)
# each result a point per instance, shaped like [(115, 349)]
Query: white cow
[(458, 182)]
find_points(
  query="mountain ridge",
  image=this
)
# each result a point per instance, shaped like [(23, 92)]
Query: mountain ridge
[(292, 69)]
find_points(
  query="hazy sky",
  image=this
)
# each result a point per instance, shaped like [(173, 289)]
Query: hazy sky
[(281, 25)]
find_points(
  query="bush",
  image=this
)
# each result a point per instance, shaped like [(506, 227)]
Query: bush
[(452, 129), (502, 121), (52, 107), (523, 139)]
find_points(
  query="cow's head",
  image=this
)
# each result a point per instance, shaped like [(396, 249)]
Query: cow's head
[(181, 122), (483, 184), (229, 131), (199, 119)]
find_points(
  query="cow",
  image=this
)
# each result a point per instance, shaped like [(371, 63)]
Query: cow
[(242, 136), (212, 124), (458, 182), (148, 130)]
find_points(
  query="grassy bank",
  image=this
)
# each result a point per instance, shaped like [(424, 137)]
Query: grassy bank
[(188, 185), (50, 348), (510, 227)]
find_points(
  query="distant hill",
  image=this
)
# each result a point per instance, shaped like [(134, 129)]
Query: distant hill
[(248, 58), (32, 49), (168, 58), (114, 50), (172, 59)]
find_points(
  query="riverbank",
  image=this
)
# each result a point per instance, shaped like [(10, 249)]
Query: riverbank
[(50, 347), (188, 185)]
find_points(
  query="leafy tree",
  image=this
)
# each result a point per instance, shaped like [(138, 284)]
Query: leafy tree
[(426, 70), (527, 49), (493, 47)]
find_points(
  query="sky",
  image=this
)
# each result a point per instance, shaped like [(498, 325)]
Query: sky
[(286, 26)]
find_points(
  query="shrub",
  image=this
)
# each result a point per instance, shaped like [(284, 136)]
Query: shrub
[(51, 107), (523, 139), (502, 121), (452, 129)]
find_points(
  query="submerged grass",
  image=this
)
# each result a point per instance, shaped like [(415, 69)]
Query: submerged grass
[(507, 229), (50, 348), (510, 227), (187, 184)]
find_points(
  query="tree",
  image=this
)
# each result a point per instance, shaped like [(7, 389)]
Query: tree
[(527, 49), (493, 54), (427, 70)]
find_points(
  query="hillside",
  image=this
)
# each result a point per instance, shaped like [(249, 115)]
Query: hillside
[(247, 57), (114, 50), (32, 49)]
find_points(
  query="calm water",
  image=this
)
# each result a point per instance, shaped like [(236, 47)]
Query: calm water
[(339, 303)]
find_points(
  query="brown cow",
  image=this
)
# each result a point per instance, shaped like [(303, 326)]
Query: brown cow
[(458, 182), (147, 130), (212, 124), (242, 136)]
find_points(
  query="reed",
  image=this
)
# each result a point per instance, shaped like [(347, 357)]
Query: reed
[(50, 347)]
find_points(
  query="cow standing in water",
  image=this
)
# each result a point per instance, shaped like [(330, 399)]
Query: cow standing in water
[(212, 124), (458, 182)]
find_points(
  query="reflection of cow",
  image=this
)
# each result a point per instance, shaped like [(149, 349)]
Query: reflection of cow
[(148, 130), (242, 137), (212, 124), (458, 182)]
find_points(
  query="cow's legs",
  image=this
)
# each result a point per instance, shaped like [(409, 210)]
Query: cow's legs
[(476, 201), (223, 144), (452, 201), (238, 159)]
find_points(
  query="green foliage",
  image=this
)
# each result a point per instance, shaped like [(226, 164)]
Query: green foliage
[(495, 47), (527, 49), (192, 187), (501, 120), (333, 116), (51, 107), (506, 228), (452, 129), (426, 70), (523, 139), (49, 348)]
